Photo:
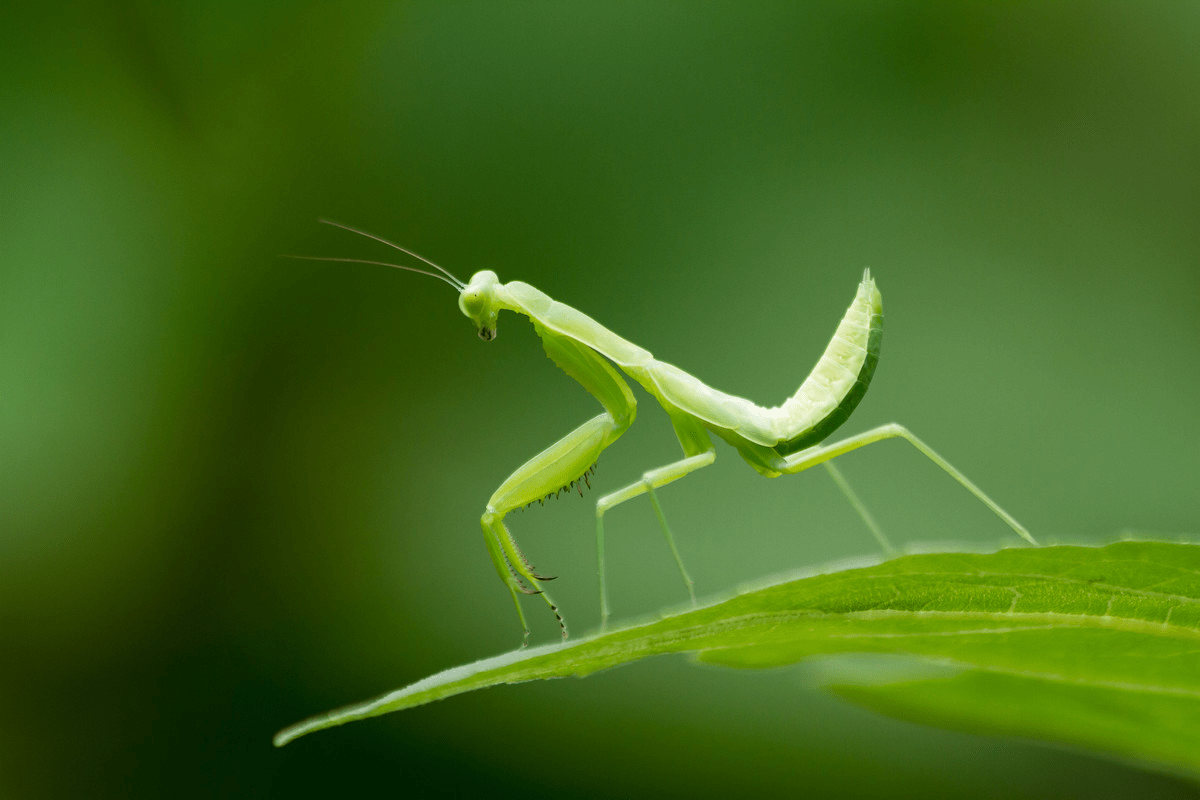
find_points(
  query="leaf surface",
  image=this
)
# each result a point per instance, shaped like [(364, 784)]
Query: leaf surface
[(1095, 647)]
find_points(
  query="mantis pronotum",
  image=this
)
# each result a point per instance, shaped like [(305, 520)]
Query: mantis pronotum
[(774, 441)]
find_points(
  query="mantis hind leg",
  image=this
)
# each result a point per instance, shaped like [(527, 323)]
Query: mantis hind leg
[(865, 515), (821, 454), (700, 453)]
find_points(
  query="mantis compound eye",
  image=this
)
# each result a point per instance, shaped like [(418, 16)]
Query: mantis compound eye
[(472, 303), (487, 334)]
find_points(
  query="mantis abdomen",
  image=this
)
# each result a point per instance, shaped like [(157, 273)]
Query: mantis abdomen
[(823, 402)]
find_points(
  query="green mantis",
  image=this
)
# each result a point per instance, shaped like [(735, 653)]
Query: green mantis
[(774, 441)]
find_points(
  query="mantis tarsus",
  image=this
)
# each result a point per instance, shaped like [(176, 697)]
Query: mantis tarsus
[(774, 441)]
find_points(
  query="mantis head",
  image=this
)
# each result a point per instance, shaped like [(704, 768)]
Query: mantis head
[(478, 302)]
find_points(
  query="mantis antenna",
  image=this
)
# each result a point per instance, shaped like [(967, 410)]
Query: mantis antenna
[(455, 282), (445, 276), (457, 286)]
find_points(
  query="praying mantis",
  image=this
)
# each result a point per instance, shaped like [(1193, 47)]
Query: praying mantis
[(775, 441)]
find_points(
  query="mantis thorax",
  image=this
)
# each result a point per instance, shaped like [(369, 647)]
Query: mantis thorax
[(479, 302)]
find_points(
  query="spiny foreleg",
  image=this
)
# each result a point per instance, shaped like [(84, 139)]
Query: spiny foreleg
[(563, 464)]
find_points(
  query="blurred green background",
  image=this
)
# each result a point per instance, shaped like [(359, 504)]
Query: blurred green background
[(237, 490)]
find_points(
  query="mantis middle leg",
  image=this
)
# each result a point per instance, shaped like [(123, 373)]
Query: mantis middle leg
[(820, 454), (698, 452)]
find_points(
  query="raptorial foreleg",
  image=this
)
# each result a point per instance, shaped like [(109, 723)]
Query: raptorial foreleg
[(564, 462)]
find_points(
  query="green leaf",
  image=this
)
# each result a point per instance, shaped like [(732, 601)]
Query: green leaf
[(1096, 647)]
